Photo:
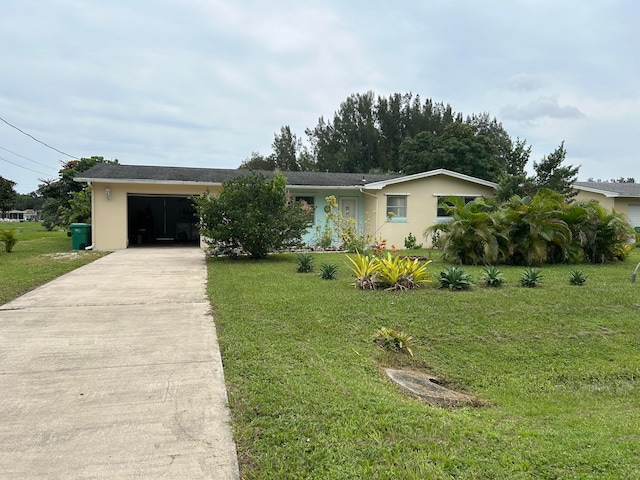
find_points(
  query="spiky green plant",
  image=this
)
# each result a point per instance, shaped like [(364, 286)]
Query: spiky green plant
[(366, 270), (455, 278), (577, 277), (304, 262), (394, 340), (9, 238), (328, 271), (492, 276), (531, 277), (402, 273)]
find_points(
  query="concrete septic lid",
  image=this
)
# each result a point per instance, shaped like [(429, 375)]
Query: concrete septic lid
[(427, 388)]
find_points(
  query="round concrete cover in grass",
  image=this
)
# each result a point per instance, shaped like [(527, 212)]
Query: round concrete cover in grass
[(427, 388)]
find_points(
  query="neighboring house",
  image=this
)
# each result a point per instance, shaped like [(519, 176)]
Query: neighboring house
[(621, 197), (143, 204), (28, 215)]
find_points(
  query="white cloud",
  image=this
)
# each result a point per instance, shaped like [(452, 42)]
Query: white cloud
[(540, 108)]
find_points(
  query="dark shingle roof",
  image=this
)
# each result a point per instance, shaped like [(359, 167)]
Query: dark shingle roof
[(617, 189), (146, 173)]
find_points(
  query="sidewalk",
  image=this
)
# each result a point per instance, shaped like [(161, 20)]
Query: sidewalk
[(113, 371)]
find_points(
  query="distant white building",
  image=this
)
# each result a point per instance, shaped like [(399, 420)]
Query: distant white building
[(28, 215)]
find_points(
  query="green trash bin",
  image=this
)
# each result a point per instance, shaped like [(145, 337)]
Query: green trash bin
[(80, 236)]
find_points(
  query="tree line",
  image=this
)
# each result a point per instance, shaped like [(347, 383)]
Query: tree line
[(403, 133)]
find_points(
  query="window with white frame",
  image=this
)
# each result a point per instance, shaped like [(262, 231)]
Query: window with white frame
[(397, 206)]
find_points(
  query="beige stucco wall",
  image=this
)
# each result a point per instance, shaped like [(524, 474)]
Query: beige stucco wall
[(422, 206), (619, 204), (606, 202), (109, 216)]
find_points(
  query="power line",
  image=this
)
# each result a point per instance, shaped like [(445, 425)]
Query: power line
[(39, 141), (26, 158), (22, 166)]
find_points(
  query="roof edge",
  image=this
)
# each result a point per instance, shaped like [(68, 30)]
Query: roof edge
[(417, 176)]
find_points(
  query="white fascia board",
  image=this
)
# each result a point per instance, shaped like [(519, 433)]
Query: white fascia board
[(431, 173), (458, 194), (606, 193), (318, 187)]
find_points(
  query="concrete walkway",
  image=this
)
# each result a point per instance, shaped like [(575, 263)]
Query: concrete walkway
[(113, 371)]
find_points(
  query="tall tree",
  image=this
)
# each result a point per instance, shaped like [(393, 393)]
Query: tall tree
[(551, 174), (459, 148), (7, 194), (29, 200), (286, 150), (515, 181)]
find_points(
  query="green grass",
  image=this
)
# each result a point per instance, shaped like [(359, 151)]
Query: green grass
[(38, 257), (556, 370)]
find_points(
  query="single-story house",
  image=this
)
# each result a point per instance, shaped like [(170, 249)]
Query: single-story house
[(621, 197), (134, 204), (28, 215)]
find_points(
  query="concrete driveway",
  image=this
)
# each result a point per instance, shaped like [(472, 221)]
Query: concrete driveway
[(113, 371)]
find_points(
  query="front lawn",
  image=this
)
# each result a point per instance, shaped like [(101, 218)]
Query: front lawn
[(556, 370), (38, 257)]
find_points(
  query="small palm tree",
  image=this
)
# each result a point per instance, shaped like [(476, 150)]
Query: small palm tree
[(472, 236)]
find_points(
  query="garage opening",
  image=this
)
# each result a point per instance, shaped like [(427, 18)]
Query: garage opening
[(161, 219)]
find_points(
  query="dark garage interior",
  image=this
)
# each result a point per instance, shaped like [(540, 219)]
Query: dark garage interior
[(161, 219)]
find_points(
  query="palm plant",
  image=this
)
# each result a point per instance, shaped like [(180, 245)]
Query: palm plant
[(535, 230), (472, 236), (602, 234)]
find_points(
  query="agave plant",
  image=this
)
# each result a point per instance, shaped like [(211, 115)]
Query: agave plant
[(455, 278), (531, 277), (328, 271), (492, 276), (577, 277), (304, 262)]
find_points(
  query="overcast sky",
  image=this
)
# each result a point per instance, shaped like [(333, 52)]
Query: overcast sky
[(204, 83)]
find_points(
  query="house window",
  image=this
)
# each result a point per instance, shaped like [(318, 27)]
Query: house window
[(309, 201), (442, 213), (397, 207)]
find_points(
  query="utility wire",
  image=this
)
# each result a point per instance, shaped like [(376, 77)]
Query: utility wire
[(26, 158), (22, 166), (39, 141)]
